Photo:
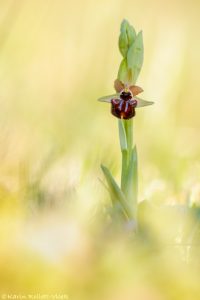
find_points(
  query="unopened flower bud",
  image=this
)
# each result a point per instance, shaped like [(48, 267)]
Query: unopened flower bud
[(126, 38)]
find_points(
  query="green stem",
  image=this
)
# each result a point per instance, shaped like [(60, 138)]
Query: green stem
[(126, 153), (124, 170), (128, 125), (129, 178)]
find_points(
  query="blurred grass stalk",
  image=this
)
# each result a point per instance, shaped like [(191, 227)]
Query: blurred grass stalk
[(124, 198)]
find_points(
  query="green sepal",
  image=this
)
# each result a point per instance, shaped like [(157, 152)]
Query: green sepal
[(142, 102)]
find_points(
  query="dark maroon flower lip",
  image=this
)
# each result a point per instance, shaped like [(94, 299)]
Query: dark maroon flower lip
[(124, 106)]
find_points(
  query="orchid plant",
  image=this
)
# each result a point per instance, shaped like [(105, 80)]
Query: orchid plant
[(123, 105)]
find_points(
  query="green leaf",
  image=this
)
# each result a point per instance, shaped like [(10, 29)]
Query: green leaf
[(135, 56), (116, 194), (122, 135)]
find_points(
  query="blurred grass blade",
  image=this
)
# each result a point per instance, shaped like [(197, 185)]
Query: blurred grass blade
[(122, 135), (116, 193)]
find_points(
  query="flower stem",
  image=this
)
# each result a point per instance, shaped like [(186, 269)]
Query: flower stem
[(129, 178)]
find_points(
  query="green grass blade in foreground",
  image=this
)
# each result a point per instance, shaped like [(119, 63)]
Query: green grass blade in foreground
[(116, 193)]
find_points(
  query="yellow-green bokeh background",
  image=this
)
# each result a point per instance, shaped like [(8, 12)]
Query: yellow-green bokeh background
[(56, 59)]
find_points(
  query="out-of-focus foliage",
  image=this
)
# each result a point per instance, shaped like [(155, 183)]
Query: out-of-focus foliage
[(56, 59)]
